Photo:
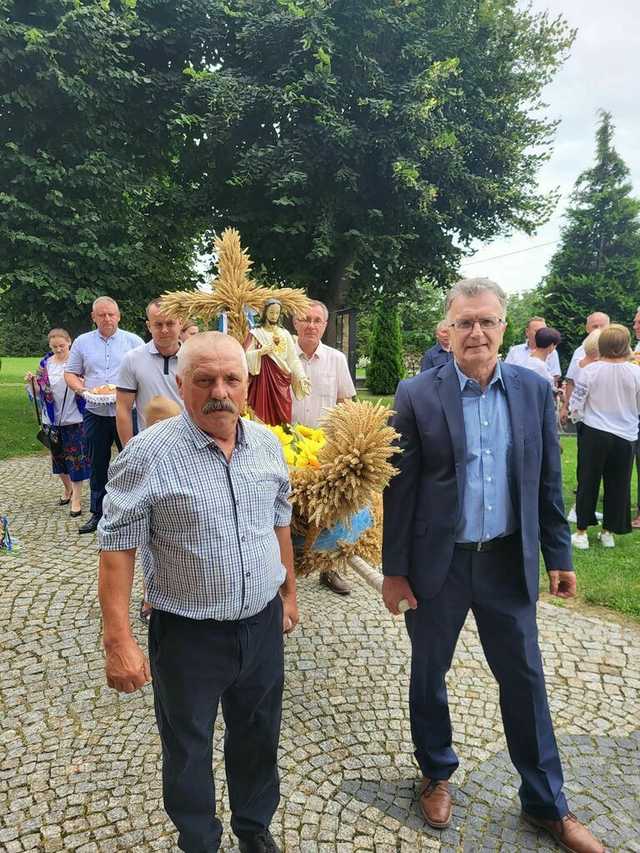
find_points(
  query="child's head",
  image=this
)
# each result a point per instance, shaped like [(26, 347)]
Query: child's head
[(159, 408)]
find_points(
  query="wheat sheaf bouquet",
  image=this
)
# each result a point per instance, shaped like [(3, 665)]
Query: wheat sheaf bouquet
[(337, 475), (337, 472)]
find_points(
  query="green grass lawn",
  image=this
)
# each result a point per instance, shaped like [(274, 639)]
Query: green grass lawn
[(18, 425), (609, 578)]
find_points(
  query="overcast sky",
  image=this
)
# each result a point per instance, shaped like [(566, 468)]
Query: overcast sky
[(603, 71)]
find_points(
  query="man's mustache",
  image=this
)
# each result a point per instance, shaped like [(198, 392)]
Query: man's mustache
[(219, 406)]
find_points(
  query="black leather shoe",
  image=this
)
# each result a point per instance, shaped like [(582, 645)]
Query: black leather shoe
[(90, 526), (261, 842)]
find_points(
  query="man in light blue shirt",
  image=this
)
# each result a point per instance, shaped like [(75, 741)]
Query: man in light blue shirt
[(94, 360), (488, 505)]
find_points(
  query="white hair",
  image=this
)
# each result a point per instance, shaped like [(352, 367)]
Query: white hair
[(325, 310), (205, 343), (104, 299), (474, 287)]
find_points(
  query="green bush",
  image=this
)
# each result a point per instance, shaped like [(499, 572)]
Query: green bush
[(386, 366), (24, 335)]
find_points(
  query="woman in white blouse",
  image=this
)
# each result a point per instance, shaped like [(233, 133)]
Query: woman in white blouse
[(606, 401), (62, 409)]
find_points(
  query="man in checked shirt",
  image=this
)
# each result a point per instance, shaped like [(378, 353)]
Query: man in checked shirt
[(207, 494)]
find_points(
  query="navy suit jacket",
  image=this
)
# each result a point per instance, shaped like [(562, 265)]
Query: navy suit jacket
[(434, 357), (423, 503)]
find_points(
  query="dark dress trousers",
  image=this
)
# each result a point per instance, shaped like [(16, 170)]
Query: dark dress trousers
[(435, 357), (422, 509)]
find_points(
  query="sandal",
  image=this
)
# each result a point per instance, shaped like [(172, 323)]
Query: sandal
[(64, 501), (145, 612)]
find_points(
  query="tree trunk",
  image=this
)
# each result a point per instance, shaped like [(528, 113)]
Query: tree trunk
[(338, 293)]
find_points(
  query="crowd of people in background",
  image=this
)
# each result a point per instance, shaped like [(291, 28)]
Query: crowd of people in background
[(600, 394)]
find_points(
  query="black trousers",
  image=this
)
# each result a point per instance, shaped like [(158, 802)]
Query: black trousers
[(197, 665), (101, 433), (492, 586), (606, 457), (637, 452)]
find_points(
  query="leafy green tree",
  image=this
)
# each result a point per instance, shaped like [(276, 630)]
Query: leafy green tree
[(597, 265), (521, 307), (386, 365), (95, 144), (376, 138)]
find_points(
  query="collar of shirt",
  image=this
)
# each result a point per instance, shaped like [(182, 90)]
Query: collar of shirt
[(110, 338), (316, 355), (466, 382), (153, 349), (202, 440)]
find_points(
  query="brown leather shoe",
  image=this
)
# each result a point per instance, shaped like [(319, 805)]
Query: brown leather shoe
[(569, 833), (435, 802), (334, 582)]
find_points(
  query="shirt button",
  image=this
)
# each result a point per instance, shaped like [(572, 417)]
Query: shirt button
[(246, 607), (485, 423), (248, 574), (488, 452), (488, 479), (489, 507), (243, 539)]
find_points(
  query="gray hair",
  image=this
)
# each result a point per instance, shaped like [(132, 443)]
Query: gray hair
[(204, 343), (474, 287), (104, 299), (325, 310)]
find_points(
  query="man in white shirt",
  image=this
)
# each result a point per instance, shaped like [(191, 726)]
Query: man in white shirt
[(148, 371), (331, 383), (519, 353), (546, 341), (597, 320), (636, 328)]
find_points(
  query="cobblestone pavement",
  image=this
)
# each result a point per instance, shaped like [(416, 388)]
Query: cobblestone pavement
[(80, 766)]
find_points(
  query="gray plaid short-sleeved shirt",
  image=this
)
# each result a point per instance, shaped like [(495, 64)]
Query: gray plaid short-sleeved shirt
[(208, 525)]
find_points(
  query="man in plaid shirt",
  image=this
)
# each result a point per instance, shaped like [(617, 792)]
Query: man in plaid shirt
[(206, 494)]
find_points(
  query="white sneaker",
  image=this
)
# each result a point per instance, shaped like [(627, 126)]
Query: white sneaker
[(572, 517), (580, 541), (606, 539), (599, 516)]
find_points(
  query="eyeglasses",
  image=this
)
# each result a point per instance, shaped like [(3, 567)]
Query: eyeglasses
[(466, 324), (316, 321)]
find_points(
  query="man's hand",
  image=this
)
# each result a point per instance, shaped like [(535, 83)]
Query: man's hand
[(562, 584), (290, 615), (564, 414), (126, 666), (394, 589)]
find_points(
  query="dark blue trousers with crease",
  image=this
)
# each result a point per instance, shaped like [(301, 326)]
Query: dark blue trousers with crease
[(197, 665), (491, 585)]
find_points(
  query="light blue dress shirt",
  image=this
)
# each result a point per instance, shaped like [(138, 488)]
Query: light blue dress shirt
[(98, 360), (487, 510)]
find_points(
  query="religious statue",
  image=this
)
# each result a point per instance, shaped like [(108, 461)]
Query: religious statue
[(274, 367)]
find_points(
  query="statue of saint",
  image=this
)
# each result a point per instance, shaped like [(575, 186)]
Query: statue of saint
[(274, 367)]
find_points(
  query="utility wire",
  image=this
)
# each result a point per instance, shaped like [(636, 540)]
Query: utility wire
[(508, 254)]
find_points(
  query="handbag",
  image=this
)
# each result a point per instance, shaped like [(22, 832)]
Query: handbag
[(48, 435)]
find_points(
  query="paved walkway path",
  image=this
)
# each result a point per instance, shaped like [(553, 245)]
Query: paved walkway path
[(80, 765)]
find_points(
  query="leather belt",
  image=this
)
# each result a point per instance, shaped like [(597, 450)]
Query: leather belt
[(489, 544)]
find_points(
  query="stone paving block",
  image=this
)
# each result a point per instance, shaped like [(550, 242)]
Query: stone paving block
[(81, 765)]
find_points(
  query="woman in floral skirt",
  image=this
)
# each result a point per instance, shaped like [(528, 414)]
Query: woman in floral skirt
[(63, 409)]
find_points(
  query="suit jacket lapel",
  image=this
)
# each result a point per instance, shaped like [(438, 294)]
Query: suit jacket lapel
[(451, 399), (516, 412)]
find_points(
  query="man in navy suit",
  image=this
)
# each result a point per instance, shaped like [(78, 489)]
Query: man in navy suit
[(441, 352), (479, 491)]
